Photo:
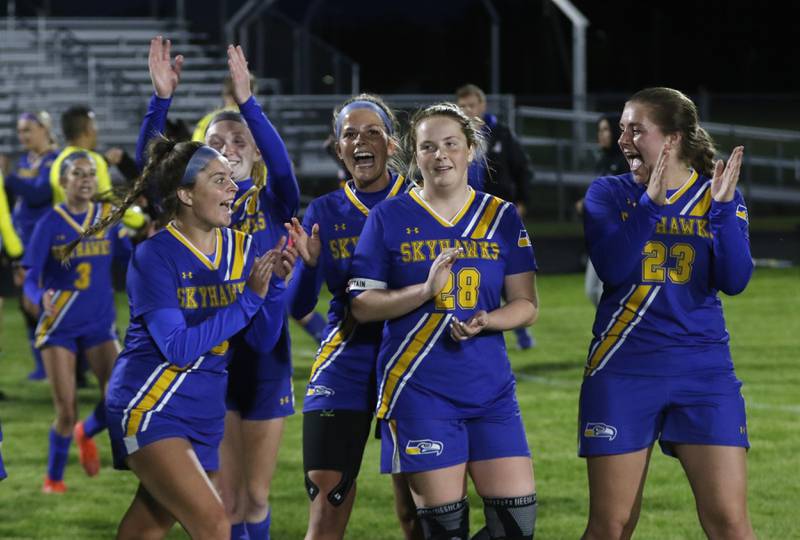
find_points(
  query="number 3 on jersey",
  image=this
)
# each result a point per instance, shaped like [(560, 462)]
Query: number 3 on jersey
[(466, 294), (655, 255), (84, 271)]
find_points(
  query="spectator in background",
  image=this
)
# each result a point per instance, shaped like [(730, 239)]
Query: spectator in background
[(610, 162), (28, 184), (505, 171)]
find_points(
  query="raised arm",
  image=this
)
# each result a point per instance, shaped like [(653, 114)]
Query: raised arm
[(165, 74), (281, 179)]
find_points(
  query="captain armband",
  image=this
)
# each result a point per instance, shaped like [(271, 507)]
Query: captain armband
[(365, 284)]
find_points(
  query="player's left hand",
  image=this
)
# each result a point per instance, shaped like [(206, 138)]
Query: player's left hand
[(285, 259), (723, 183), (240, 74), (460, 330)]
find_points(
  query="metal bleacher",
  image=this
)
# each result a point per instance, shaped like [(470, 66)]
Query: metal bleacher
[(49, 63)]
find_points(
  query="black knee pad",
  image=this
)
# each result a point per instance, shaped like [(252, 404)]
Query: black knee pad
[(312, 490), (511, 518), (337, 495), (446, 522)]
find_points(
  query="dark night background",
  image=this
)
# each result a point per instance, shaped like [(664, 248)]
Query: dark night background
[(733, 48)]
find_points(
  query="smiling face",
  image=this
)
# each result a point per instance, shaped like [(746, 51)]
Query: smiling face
[(364, 147), (79, 181), (210, 199), (641, 140), (234, 141), (442, 152)]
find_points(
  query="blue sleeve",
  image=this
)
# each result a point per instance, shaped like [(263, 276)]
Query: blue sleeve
[(615, 242), (154, 122), (182, 345), (264, 329), (281, 181), (306, 282), (733, 264), (37, 192), (370, 268), (304, 289), (520, 257), (34, 260)]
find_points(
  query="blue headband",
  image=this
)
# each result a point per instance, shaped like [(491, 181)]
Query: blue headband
[(198, 162), (30, 116), (72, 158), (362, 104)]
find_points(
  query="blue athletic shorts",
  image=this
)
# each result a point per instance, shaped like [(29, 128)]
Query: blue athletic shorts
[(261, 399), (79, 339), (621, 413), (419, 444), (205, 443)]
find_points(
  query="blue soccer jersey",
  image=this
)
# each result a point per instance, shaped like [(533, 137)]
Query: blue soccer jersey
[(84, 295), (343, 372), (153, 394), (29, 181), (662, 267), (259, 210), (422, 371)]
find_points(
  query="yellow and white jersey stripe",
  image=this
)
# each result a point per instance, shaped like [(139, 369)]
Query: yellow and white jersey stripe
[(408, 356), (632, 308)]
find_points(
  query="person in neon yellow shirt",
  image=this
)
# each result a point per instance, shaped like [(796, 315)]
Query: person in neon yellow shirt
[(80, 133)]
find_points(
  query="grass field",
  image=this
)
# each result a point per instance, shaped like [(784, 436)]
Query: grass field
[(764, 323)]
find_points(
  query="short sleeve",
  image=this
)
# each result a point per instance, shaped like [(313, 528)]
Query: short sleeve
[(370, 268), (519, 254)]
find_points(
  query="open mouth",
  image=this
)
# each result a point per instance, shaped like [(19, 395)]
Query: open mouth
[(363, 158), (634, 160), (442, 168), (228, 204)]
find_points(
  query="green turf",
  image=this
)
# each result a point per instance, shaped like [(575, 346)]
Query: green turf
[(765, 328)]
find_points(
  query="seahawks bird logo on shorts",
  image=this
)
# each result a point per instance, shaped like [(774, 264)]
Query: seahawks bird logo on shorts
[(319, 390), (600, 430), (424, 446)]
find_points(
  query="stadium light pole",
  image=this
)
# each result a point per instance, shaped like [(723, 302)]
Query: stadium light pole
[(494, 65), (579, 25)]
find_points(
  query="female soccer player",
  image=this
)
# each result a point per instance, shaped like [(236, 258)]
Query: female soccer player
[(665, 238), (432, 264), (188, 298), (29, 182), (260, 388), (77, 309), (340, 396)]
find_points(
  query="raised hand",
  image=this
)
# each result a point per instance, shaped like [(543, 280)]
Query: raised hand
[(306, 247), (240, 75), (440, 271), (164, 74), (285, 259), (261, 272), (723, 183), (460, 330), (657, 185)]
